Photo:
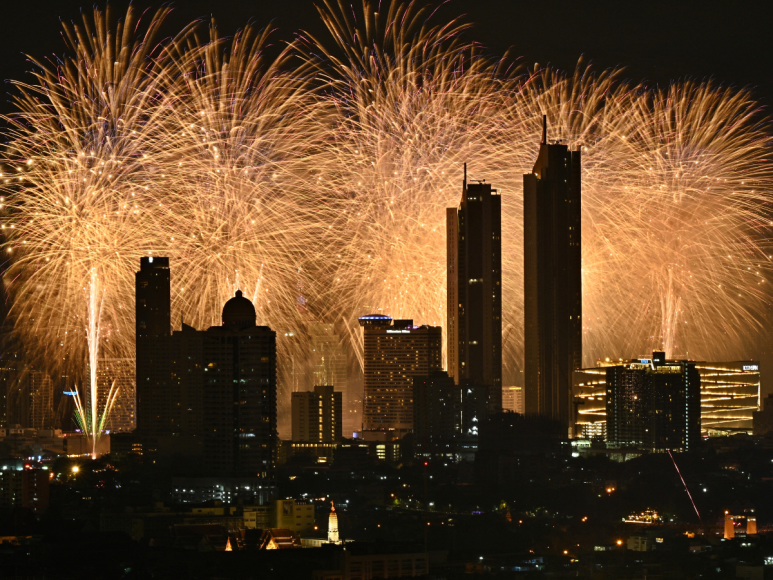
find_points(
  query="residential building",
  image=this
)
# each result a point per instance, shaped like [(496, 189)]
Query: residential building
[(317, 415)]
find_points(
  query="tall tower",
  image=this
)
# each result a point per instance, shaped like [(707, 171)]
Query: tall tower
[(153, 319), (239, 394), (474, 262), (394, 353), (552, 279)]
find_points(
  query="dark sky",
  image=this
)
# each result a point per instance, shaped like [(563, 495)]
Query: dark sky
[(656, 41)]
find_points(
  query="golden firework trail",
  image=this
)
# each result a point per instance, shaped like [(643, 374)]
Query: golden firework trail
[(315, 176)]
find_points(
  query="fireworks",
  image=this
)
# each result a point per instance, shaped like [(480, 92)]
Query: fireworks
[(315, 177)]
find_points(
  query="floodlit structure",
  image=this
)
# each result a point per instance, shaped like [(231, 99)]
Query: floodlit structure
[(332, 525), (730, 395), (119, 373), (744, 523)]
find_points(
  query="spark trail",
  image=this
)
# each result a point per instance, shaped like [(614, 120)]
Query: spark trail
[(320, 172)]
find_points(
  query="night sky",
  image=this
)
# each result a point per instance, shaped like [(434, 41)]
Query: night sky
[(656, 41)]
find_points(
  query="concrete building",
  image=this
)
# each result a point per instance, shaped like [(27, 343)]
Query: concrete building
[(653, 405), (120, 374), (41, 400), (394, 353), (317, 415), (328, 360), (23, 486), (513, 400), (296, 516), (729, 397), (153, 328), (552, 279), (436, 415), (474, 270)]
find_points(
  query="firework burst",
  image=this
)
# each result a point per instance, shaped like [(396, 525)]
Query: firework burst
[(315, 177)]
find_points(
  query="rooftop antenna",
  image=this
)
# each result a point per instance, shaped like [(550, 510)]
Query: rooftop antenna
[(544, 129)]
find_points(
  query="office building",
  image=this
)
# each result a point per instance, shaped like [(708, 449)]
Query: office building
[(118, 374), (512, 399), (729, 394), (474, 301), (317, 416), (394, 353), (436, 415), (653, 405), (153, 328), (41, 400), (552, 279)]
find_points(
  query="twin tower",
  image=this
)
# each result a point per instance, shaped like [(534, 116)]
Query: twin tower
[(552, 283)]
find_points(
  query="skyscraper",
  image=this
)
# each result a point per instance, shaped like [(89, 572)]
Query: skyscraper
[(552, 279), (153, 320), (317, 415), (474, 270), (239, 397), (395, 352)]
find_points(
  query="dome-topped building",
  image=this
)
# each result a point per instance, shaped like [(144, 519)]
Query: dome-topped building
[(239, 312)]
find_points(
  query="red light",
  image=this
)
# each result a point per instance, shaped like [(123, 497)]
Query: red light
[(425, 464), (27, 466)]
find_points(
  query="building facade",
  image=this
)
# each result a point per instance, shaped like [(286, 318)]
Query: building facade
[(436, 415), (317, 415), (512, 399), (474, 301), (41, 400), (394, 353), (120, 374), (729, 393), (552, 279), (239, 398), (653, 405), (153, 328)]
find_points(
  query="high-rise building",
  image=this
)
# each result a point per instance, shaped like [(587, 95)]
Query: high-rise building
[(41, 400), (474, 270), (239, 397), (328, 364), (317, 415), (512, 399), (654, 405), (436, 414), (394, 353), (153, 321), (729, 391), (11, 367), (552, 279), (117, 374)]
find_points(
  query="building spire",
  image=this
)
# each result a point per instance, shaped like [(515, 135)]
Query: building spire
[(544, 129), (465, 177)]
